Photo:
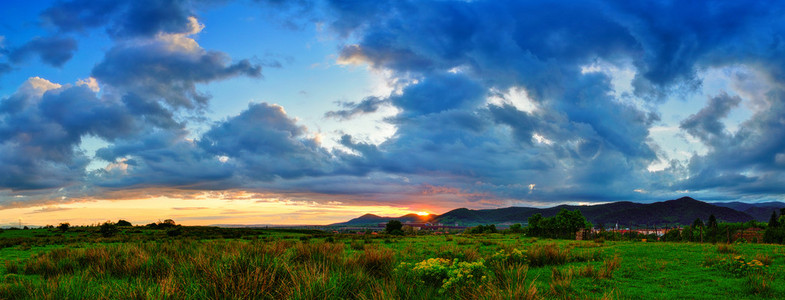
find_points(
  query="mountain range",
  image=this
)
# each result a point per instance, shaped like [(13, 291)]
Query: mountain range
[(682, 211)]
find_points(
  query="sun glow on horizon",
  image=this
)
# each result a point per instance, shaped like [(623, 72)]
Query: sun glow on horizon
[(423, 213)]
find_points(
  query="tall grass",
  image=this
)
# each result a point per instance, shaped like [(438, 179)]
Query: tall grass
[(727, 249), (547, 255)]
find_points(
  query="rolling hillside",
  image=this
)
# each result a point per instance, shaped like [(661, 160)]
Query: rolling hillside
[(672, 212)]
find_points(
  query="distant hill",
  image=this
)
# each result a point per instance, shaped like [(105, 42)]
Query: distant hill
[(760, 211), (371, 219), (681, 211)]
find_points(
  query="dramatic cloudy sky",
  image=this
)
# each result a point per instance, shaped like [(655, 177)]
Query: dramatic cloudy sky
[(309, 112)]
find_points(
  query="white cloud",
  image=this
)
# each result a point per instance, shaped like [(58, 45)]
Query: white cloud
[(515, 96), (89, 82), (37, 86)]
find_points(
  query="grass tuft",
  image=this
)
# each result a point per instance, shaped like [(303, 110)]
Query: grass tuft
[(547, 255), (726, 249)]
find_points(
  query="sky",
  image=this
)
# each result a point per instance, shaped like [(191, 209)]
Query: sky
[(315, 112)]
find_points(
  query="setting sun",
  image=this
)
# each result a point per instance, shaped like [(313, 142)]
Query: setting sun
[(422, 213)]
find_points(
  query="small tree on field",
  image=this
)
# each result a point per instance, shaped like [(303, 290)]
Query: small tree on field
[(108, 229), (63, 227), (122, 223), (394, 227), (167, 224)]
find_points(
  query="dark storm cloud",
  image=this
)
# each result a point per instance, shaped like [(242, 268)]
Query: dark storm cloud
[(598, 143), (579, 141), (264, 143), (54, 51), (541, 46), (159, 70), (352, 109), (750, 160), (121, 18), (39, 134), (706, 125), (260, 144)]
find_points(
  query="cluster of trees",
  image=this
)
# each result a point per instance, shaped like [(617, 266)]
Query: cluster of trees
[(709, 232), (482, 229), (775, 232), (563, 225), (166, 224), (106, 227)]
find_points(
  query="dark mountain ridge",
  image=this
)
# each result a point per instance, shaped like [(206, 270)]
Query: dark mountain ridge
[(682, 211), (760, 211)]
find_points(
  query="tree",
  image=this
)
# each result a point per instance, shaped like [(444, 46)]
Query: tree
[(697, 223), (122, 223), (108, 229), (562, 225), (673, 235), (534, 228), (407, 229), (773, 220), (712, 222), (393, 227), (63, 226), (516, 228), (167, 224)]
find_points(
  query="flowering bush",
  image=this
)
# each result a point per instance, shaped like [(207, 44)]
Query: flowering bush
[(513, 256), (432, 271), (464, 275), (738, 266), (449, 275)]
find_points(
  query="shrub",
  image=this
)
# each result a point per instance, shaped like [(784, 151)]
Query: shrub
[(431, 271), (63, 226), (451, 276), (464, 276), (175, 231), (108, 229), (505, 257), (736, 266)]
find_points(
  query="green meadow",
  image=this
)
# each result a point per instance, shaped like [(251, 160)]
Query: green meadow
[(216, 263)]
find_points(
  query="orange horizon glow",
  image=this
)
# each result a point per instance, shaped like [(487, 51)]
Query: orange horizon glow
[(227, 209)]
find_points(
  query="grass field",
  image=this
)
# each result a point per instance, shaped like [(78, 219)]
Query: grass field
[(209, 263)]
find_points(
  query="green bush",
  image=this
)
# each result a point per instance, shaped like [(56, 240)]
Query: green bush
[(108, 229)]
